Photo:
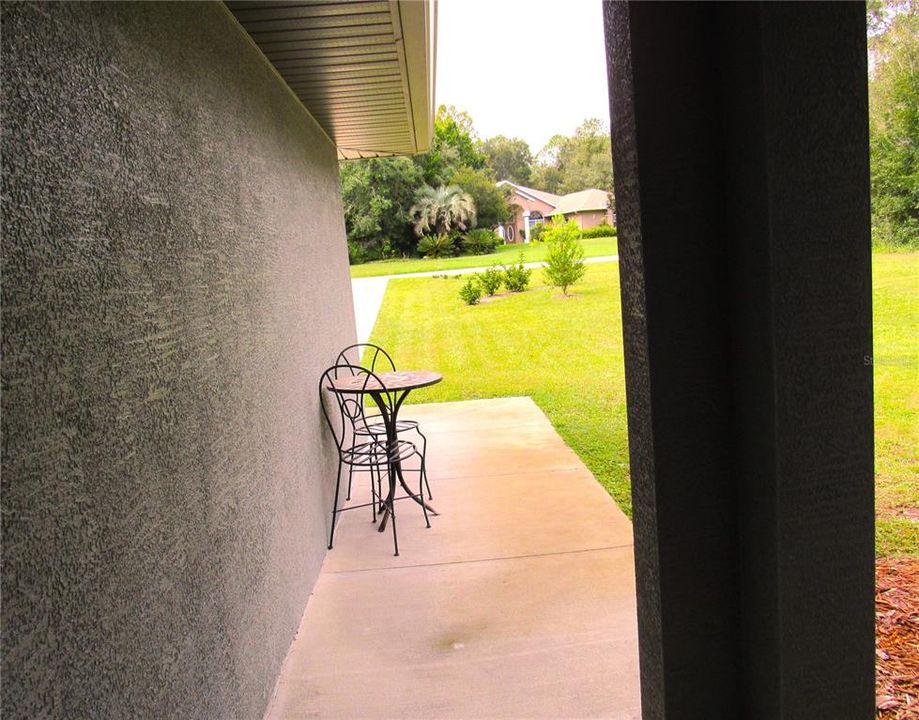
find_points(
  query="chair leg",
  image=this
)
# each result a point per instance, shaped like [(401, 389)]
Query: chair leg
[(373, 492), (350, 476), (424, 472), (392, 508), (395, 539), (421, 480), (335, 504)]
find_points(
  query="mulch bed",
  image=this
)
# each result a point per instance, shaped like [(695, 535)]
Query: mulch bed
[(897, 631)]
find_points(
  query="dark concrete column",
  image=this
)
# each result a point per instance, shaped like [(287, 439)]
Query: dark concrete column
[(741, 162)]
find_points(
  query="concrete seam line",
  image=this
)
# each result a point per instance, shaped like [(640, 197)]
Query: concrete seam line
[(477, 560)]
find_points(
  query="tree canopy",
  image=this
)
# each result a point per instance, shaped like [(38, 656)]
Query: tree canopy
[(377, 194), (439, 210), (454, 146), (510, 158), (491, 201), (893, 92), (583, 160)]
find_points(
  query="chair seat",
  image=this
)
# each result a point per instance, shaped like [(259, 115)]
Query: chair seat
[(375, 453), (373, 425)]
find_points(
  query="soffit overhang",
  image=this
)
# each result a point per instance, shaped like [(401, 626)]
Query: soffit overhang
[(363, 69)]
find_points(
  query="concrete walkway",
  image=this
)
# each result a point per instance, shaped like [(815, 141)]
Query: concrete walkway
[(368, 292), (519, 602)]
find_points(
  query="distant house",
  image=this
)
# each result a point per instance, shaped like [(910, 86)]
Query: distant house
[(532, 207), (588, 208)]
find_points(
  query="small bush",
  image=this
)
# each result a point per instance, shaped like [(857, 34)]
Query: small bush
[(517, 277), (565, 257), (536, 232), (480, 241), (357, 254), (599, 231), (436, 246), (471, 291), (491, 280)]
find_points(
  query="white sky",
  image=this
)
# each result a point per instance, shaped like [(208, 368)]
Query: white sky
[(523, 68)]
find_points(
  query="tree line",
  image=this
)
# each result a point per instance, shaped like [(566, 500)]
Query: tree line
[(893, 97), (393, 204)]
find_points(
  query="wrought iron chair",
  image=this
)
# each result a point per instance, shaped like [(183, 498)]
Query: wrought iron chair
[(378, 360), (375, 455)]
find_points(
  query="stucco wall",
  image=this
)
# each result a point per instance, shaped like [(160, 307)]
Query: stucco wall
[(174, 279), (591, 218)]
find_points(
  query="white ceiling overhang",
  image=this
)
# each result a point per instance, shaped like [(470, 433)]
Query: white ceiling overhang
[(363, 69)]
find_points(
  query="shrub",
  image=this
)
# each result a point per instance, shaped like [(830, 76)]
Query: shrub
[(436, 246), (491, 280), (471, 291), (565, 257), (536, 232), (602, 230), (517, 277), (357, 254), (480, 241)]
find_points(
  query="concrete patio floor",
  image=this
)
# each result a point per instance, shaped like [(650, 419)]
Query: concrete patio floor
[(519, 602)]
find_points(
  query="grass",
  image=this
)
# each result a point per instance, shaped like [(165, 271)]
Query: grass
[(522, 345), (503, 255), (896, 401)]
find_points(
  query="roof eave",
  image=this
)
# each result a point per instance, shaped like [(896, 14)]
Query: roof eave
[(364, 71)]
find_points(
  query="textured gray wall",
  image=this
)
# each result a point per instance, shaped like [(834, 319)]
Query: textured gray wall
[(174, 279)]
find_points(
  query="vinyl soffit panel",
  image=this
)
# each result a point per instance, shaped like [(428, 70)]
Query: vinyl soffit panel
[(364, 69), (317, 59)]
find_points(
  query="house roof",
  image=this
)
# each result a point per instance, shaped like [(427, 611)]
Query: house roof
[(582, 201), (363, 69), (541, 195)]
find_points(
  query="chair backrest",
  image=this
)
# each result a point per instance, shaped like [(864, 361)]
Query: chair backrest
[(347, 409), (377, 360)]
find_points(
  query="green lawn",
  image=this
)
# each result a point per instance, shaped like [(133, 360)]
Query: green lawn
[(503, 255), (896, 401), (521, 345)]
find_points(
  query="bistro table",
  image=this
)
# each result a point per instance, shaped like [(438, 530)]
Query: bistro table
[(397, 384)]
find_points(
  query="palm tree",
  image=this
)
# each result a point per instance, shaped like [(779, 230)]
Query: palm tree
[(440, 210)]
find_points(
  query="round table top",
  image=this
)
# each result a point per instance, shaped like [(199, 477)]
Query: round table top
[(398, 380)]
